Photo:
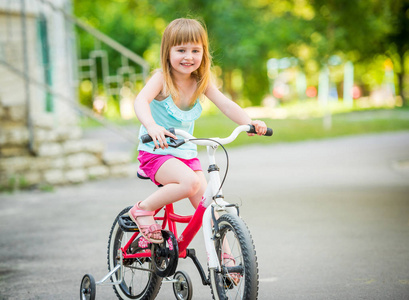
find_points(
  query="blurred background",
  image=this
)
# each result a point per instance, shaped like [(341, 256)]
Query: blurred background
[(274, 53), (310, 68)]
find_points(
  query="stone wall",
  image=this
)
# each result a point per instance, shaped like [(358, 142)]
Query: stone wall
[(60, 155)]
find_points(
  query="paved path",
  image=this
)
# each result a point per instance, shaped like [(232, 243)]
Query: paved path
[(330, 220)]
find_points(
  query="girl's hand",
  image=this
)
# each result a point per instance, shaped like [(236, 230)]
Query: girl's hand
[(158, 135), (260, 126)]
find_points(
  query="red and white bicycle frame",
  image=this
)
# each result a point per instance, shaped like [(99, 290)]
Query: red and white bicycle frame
[(212, 200)]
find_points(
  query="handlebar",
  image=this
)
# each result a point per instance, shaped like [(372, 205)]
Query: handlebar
[(269, 131), (146, 138)]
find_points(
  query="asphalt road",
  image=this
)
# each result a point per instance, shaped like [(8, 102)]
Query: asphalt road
[(330, 220)]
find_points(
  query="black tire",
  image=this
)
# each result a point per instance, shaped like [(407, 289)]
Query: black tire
[(234, 231), (183, 288), (137, 284), (88, 288)]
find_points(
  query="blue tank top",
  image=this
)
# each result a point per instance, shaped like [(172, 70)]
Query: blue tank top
[(167, 114)]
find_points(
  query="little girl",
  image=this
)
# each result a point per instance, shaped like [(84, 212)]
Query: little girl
[(171, 99)]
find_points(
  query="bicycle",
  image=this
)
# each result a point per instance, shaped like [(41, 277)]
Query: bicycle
[(138, 268)]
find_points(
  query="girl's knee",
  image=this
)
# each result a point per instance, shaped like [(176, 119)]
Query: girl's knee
[(191, 186)]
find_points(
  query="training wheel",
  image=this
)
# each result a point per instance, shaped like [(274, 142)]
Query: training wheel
[(183, 287), (87, 290)]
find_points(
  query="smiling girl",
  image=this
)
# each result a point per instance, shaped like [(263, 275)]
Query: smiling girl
[(171, 99)]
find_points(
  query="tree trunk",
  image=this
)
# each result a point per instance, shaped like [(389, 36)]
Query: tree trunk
[(401, 78), (228, 86)]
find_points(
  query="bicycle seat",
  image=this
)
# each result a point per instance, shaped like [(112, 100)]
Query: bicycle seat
[(141, 174)]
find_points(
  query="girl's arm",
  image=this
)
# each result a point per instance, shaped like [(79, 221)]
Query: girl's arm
[(232, 110), (143, 111)]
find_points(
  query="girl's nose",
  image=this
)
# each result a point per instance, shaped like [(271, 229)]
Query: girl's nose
[(188, 55)]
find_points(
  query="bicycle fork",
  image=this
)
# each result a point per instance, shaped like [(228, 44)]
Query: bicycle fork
[(213, 200), (210, 233)]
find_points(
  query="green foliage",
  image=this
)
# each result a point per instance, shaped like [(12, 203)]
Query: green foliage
[(245, 34)]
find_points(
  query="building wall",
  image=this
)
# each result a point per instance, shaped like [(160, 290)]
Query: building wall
[(61, 55), (58, 154)]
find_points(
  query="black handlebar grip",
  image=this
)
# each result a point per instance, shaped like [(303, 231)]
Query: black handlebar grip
[(146, 138), (253, 130), (269, 132)]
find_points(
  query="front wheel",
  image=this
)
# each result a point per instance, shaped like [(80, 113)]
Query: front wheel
[(238, 277)]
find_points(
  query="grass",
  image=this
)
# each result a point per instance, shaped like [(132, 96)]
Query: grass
[(292, 130), (303, 122)]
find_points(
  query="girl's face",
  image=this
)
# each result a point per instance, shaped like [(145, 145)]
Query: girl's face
[(186, 58)]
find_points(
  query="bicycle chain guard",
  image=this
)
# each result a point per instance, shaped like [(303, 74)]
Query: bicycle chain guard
[(165, 256)]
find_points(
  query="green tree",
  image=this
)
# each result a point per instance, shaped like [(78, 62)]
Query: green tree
[(125, 21), (398, 41), (245, 34)]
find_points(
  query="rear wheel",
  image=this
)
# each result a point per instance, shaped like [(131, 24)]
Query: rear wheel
[(139, 280), (238, 277)]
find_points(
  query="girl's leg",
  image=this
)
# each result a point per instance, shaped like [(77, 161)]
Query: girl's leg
[(179, 182), (195, 200)]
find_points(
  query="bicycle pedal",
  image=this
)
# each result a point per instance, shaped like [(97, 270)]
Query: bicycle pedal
[(229, 283), (126, 224)]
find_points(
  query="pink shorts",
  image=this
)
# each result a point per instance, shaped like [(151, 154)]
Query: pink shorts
[(150, 163)]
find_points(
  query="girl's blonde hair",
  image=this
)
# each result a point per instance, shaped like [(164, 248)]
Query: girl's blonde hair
[(179, 32)]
